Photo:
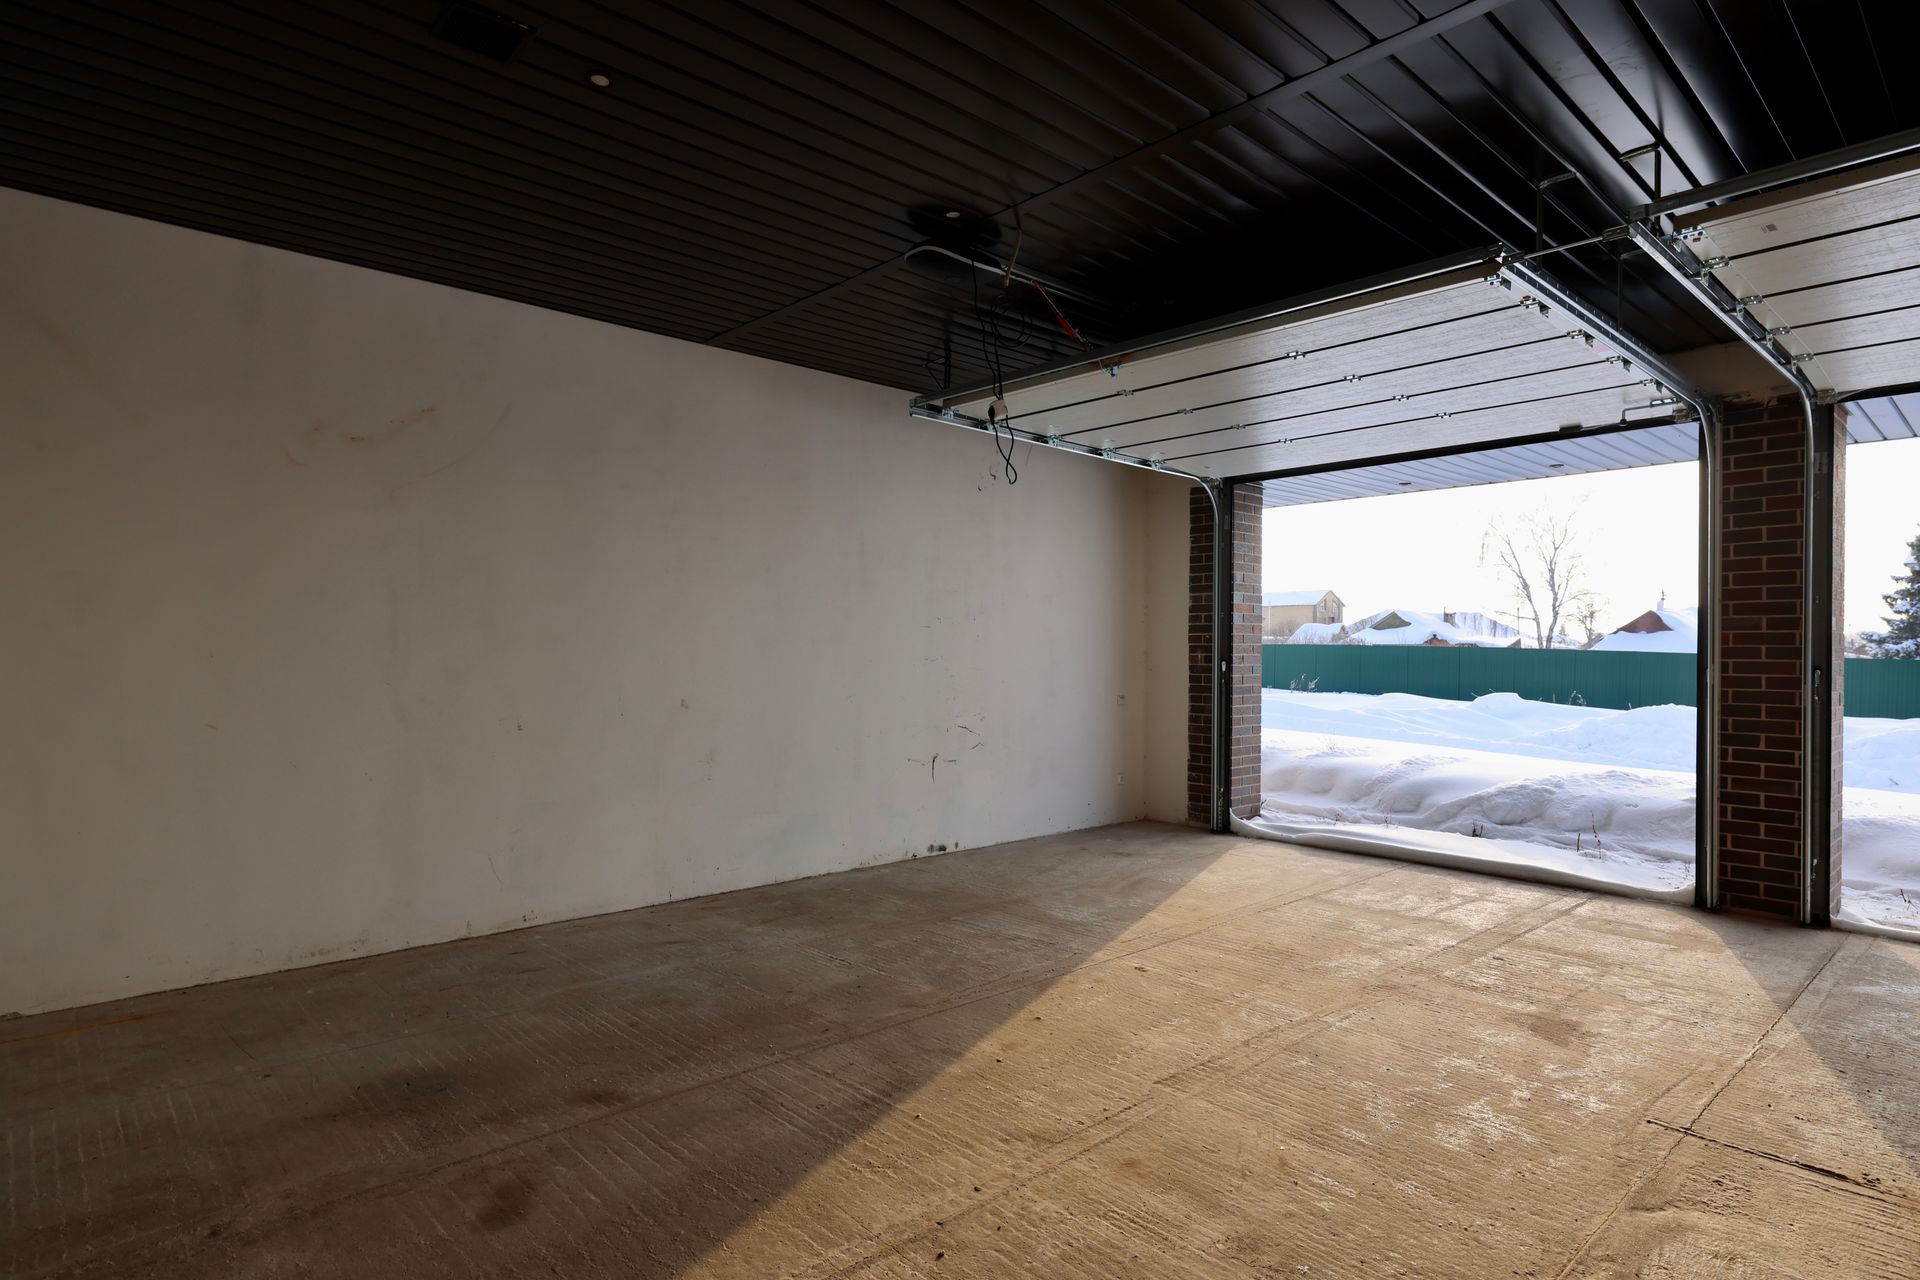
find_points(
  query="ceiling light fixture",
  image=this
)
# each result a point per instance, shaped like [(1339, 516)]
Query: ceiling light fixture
[(599, 79)]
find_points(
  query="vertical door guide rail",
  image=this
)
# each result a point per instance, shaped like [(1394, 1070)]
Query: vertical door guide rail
[(1220, 493), (1706, 765), (1673, 256), (1707, 410)]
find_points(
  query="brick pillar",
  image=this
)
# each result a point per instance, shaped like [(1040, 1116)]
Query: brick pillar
[(1200, 658), (1771, 855), (1243, 796)]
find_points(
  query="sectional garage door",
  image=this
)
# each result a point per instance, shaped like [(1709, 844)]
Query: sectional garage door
[(1831, 268), (1466, 355)]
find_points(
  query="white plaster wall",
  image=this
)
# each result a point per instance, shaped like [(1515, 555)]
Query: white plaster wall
[(1168, 568), (345, 612)]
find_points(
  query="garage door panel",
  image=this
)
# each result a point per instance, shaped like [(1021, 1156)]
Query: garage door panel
[(1428, 358), (1861, 253), (1851, 297), (1860, 331), (1832, 267), (1492, 424), (1892, 364), (1471, 352), (1833, 205), (1436, 307), (1543, 369)]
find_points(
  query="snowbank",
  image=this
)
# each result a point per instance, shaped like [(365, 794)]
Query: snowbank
[(1594, 792), (1880, 754)]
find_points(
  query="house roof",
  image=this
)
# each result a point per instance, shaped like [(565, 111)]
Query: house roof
[(1655, 631), (1415, 627), (1316, 633), (1314, 596)]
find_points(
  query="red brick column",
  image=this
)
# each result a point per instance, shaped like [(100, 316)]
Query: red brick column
[(1200, 658), (1243, 655), (1769, 486), (1243, 796)]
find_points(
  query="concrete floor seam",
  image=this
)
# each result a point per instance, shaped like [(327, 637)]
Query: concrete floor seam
[(1659, 1164), (1754, 1049), (1123, 1122), (1867, 1187)]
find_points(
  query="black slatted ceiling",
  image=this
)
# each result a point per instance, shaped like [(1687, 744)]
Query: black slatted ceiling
[(752, 175)]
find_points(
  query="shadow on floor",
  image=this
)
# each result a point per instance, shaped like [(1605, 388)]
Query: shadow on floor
[(632, 1095)]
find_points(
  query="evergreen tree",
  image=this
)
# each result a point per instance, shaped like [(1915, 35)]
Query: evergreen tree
[(1901, 639)]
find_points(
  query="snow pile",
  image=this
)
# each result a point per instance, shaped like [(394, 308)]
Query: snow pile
[(1679, 632), (1882, 754), (1608, 794), (1646, 737), (1880, 857), (1636, 821)]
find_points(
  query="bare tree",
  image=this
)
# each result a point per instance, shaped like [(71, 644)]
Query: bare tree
[(1540, 556), (1587, 614)]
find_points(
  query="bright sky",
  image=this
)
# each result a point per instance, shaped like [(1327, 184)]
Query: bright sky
[(1640, 529), (1883, 514)]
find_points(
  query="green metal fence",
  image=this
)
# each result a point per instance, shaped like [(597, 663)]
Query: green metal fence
[(1874, 686), (1887, 687)]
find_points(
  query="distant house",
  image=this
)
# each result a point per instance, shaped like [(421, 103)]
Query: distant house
[(1658, 630), (1284, 612), (1433, 630)]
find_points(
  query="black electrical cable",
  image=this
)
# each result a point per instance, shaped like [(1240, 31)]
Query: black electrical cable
[(990, 352)]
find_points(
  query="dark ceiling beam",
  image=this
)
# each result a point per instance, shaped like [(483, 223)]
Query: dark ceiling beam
[(1385, 47)]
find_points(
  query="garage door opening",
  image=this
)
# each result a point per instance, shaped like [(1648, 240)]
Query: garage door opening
[(1491, 658), (1880, 689)]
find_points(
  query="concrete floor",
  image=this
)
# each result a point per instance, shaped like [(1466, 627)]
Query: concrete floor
[(1132, 1052)]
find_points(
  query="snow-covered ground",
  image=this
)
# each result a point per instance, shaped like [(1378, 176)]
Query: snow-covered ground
[(1608, 794)]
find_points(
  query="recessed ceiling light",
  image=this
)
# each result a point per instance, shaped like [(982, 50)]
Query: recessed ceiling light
[(1405, 483), (1555, 466), (599, 79), (953, 213)]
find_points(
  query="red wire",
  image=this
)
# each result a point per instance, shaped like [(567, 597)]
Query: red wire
[(1068, 329)]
